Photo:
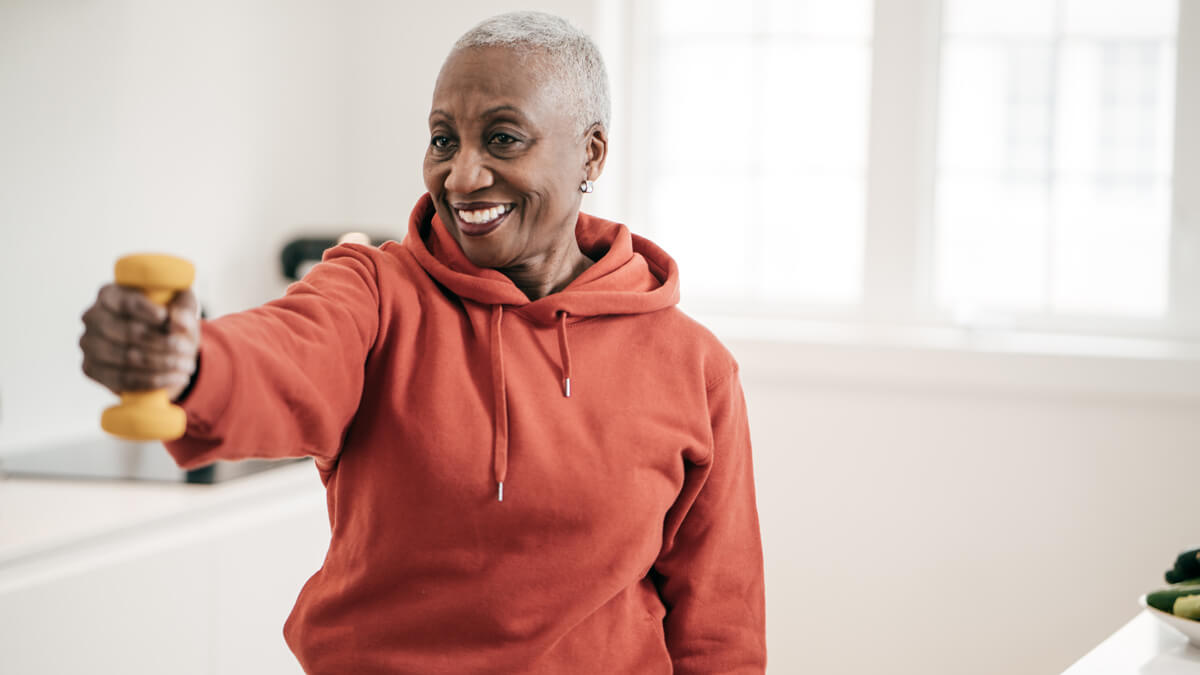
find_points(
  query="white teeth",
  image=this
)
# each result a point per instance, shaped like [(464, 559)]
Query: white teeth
[(483, 215)]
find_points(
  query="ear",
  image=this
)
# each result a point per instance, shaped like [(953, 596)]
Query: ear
[(596, 148)]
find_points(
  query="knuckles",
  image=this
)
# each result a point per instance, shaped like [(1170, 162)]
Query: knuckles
[(125, 353)]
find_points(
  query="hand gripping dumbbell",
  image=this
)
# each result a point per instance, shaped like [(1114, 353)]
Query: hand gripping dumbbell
[(150, 415)]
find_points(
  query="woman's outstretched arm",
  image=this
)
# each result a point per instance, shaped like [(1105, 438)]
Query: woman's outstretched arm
[(285, 379)]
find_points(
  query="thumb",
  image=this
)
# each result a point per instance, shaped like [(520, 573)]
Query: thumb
[(183, 312)]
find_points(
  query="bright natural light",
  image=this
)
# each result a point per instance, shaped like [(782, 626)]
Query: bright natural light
[(1055, 146), (762, 186)]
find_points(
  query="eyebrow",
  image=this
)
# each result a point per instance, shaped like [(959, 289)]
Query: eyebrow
[(438, 112), (503, 108)]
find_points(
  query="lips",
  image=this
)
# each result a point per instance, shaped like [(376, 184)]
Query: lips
[(477, 219)]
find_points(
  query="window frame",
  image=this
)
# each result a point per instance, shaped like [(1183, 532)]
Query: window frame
[(901, 164)]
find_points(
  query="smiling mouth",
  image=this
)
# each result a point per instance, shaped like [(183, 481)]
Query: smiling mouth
[(477, 222)]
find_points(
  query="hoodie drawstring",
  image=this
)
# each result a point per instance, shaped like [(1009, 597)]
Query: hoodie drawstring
[(500, 392), (565, 353), (500, 397)]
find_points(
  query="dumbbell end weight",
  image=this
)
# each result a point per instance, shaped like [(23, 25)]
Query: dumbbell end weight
[(145, 416)]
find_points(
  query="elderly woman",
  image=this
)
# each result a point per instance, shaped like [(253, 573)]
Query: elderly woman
[(535, 463)]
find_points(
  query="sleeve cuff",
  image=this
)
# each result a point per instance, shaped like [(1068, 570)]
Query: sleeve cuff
[(205, 402)]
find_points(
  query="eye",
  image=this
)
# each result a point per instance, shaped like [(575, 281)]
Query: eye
[(440, 142), (502, 139)]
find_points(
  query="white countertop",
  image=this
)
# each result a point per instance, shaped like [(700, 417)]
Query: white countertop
[(40, 517), (1144, 646)]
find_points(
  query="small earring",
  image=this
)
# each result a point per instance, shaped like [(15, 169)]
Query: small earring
[(587, 186)]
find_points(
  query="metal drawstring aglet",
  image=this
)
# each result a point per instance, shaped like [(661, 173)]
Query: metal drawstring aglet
[(567, 387), (501, 495)]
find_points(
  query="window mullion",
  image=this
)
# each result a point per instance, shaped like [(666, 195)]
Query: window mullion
[(1185, 230), (615, 32), (900, 160), (641, 65)]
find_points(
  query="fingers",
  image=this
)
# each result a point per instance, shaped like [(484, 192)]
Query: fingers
[(156, 356), (119, 379), (131, 344), (126, 316), (124, 330), (132, 303), (183, 314)]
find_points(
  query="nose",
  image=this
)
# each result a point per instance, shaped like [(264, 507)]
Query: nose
[(468, 172)]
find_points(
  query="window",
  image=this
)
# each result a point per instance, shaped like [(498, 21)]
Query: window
[(753, 183), (926, 162), (1054, 164)]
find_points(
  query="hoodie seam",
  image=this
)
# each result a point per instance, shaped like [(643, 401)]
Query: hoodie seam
[(720, 379)]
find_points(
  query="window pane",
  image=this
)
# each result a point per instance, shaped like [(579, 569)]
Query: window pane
[(701, 220), (812, 238), (815, 107), (693, 123), (1007, 18), (689, 17), (849, 18), (992, 242), (1120, 18), (757, 145), (1110, 247), (1116, 104), (995, 105), (1053, 190)]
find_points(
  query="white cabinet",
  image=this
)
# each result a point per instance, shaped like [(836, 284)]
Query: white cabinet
[(149, 614), (258, 572), (203, 588)]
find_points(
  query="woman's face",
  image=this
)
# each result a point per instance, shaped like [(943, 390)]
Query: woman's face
[(505, 159)]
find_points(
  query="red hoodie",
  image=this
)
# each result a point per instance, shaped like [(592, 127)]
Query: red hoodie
[(554, 486)]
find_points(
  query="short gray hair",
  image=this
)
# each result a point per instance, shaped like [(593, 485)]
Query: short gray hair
[(573, 60)]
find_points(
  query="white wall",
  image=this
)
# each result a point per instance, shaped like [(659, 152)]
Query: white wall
[(208, 129), (942, 511)]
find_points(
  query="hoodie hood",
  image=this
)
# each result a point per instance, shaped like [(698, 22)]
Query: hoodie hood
[(629, 275)]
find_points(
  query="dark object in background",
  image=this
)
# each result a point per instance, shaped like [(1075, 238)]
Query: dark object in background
[(300, 251), (1187, 566), (300, 254)]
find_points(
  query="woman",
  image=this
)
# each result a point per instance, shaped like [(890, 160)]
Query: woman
[(535, 462)]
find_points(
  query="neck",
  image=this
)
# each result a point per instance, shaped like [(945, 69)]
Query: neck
[(551, 272)]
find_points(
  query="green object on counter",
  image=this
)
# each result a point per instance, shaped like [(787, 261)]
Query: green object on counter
[(1164, 600), (1187, 606), (1187, 566)]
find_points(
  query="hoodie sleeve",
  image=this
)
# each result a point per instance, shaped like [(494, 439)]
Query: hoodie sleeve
[(710, 571), (284, 379)]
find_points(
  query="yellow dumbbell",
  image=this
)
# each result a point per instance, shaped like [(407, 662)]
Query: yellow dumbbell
[(150, 415)]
